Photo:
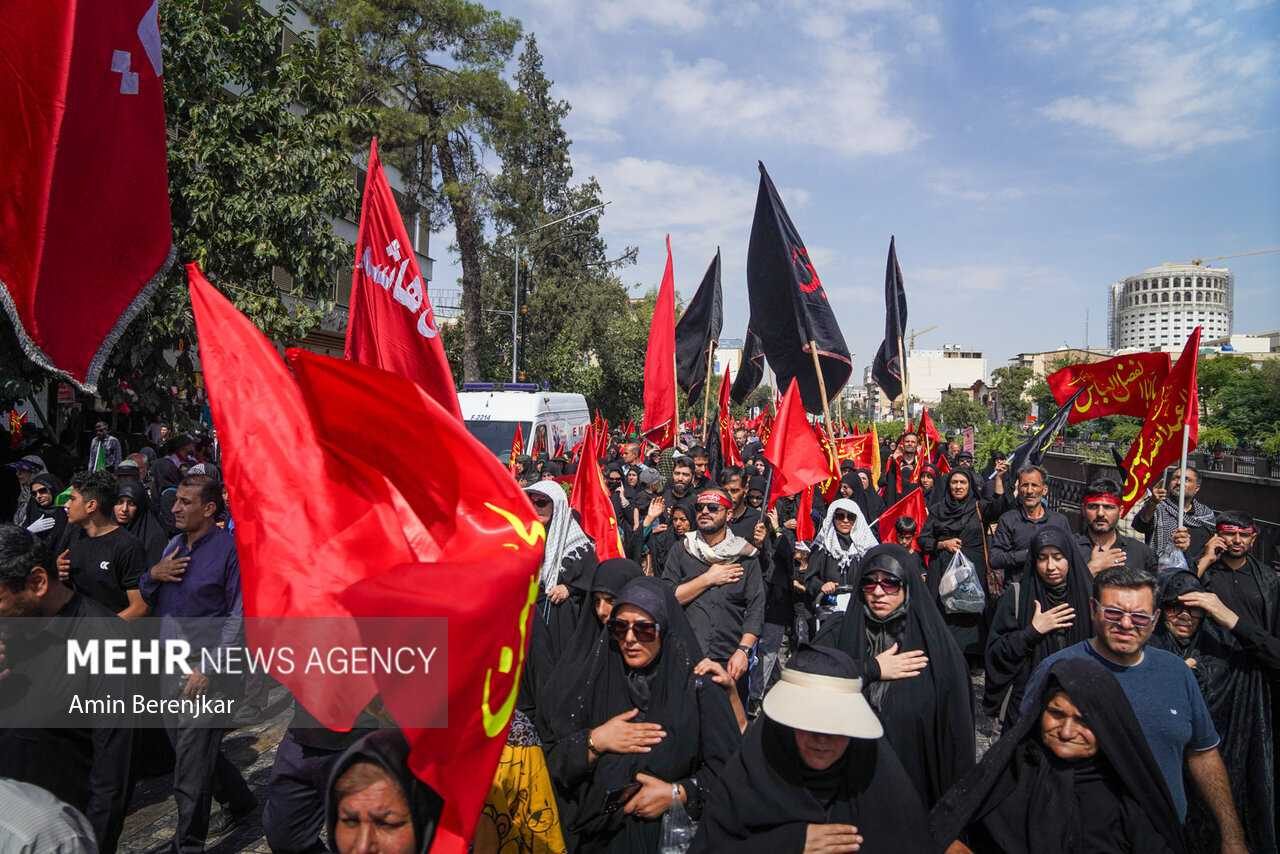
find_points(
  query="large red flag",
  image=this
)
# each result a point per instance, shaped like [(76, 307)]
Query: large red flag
[(278, 480), (590, 498), (659, 423), (481, 525), (729, 453), (392, 325), (1125, 385), (85, 233), (1176, 407), (912, 504), (798, 460)]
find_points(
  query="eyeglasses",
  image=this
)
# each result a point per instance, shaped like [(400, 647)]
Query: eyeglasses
[(887, 583), (645, 631), (1115, 615), (842, 516), (708, 508), (39, 490), (540, 500)]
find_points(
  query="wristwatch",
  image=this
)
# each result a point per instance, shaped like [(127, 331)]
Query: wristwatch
[(745, 650)]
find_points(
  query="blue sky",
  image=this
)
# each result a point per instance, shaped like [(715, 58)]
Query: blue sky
[(1025, 156)]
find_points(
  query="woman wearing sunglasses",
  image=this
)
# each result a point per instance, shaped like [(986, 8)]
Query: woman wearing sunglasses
[(567, 563), (914, 674), (842, 541), (48, 519), (957, 523), (634, 726), (1044, 611), (1076, 776)]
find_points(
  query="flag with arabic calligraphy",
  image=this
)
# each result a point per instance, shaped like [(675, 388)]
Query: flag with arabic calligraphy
[(1176, 407), (1125, 385)]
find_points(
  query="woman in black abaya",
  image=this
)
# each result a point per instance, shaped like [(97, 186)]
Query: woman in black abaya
[(1076, 777), (133, 511), (403, 815), (774, 796), (567, 563), (914, 674), (45, 489), (637, 713), (1045, 611), (957, 523), (865, 496)]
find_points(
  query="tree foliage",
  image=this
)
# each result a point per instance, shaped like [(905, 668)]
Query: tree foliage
[(1011, 383), (957, 411)]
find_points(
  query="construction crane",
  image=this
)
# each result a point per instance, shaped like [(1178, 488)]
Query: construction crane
[(1200, 262), (915, 333)]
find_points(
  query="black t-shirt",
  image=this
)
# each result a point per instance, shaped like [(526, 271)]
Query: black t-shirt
[(105, 568)]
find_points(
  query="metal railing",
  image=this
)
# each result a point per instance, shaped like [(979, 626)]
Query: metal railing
[(1205, 460)]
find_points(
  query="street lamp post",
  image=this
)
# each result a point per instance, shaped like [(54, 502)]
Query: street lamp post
[(515, 282)]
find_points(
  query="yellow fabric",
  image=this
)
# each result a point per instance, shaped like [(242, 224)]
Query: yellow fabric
[(520, 815)]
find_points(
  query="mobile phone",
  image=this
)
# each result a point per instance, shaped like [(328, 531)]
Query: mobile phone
[(616, 798)]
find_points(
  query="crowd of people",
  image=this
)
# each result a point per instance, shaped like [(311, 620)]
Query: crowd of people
[(723, 684)]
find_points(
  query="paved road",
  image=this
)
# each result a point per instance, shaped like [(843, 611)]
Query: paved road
[(153, 814)]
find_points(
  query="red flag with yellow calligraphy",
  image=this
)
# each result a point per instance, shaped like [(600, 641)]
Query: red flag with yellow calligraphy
[(1125, 385), (1176, 407)]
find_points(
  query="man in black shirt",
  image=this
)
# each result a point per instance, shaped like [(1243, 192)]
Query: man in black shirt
[(86, 767), (101, 559), (679, 492), (1105, 547)]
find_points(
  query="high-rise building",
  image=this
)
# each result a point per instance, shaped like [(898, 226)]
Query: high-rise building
[(1159, 307)]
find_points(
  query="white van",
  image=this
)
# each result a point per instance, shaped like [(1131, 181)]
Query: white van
[(548, 420)]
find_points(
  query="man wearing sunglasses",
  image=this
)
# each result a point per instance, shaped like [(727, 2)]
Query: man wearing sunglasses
[(717, 579), (1162, 690)]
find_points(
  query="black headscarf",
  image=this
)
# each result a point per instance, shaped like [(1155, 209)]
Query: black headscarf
[(603, 687), (144, 525), (57, 514), (767, 796), (928, 718), (1172, 586), (948, 513), (1023, 799), (387, 749), (1076, 589), (868, 500)]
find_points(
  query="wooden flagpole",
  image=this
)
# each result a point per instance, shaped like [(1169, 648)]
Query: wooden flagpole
[(822, 389), (706, 391), (906, 387)]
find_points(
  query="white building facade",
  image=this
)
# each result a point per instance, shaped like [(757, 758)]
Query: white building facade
[(930, 372), (1159, 307)]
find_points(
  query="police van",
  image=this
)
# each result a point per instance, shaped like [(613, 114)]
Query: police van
[(550, 422)]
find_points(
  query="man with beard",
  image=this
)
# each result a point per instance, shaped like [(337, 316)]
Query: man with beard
[(899, 475), (717, 579), (1168, 703), (86, 766), (1106, 547), (1158, 518), (1016, 527), (679, 492), (701, 474)]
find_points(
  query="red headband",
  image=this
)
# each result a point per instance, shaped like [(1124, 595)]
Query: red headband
[(1227, 528), (1100, 498), (716, 498)]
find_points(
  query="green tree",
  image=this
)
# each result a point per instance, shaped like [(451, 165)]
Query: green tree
[(1011, 383), (433, 74), (1240, 396), (958, 410), (1125, 431), (1213, 436)]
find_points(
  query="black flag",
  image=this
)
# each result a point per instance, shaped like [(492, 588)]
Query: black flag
[(887, 367), (788, 300), (1032, 451), (698, 329), (750, 369)]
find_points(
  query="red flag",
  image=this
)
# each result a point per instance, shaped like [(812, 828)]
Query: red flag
[(517, 447), (797, 458), (659, 424), (85, 233), (370, 510), (1125, 385), (590, 498), (929, 435), (943, 465), (911, 504), (1176, 407), (729, 453), (804, 516), (392, 325), (875, 455)]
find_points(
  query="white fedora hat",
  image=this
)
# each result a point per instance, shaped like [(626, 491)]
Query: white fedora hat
[(826, 704)]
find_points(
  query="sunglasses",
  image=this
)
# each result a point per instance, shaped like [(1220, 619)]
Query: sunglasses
[(39, 490), (1115, 615), (540, 500), (842, 516), (645, 631), (1175, 608), (888, 584), (708, 508)]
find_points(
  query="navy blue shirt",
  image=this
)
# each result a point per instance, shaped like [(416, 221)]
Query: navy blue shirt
[(1166, 701), (209, 588)]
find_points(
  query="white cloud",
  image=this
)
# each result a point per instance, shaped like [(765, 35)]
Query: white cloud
[(1154, 77), (963, 279), (682, 15), (958, 185)]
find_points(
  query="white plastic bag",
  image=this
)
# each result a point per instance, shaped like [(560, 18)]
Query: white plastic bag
[(959, 589), (677, 829)]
